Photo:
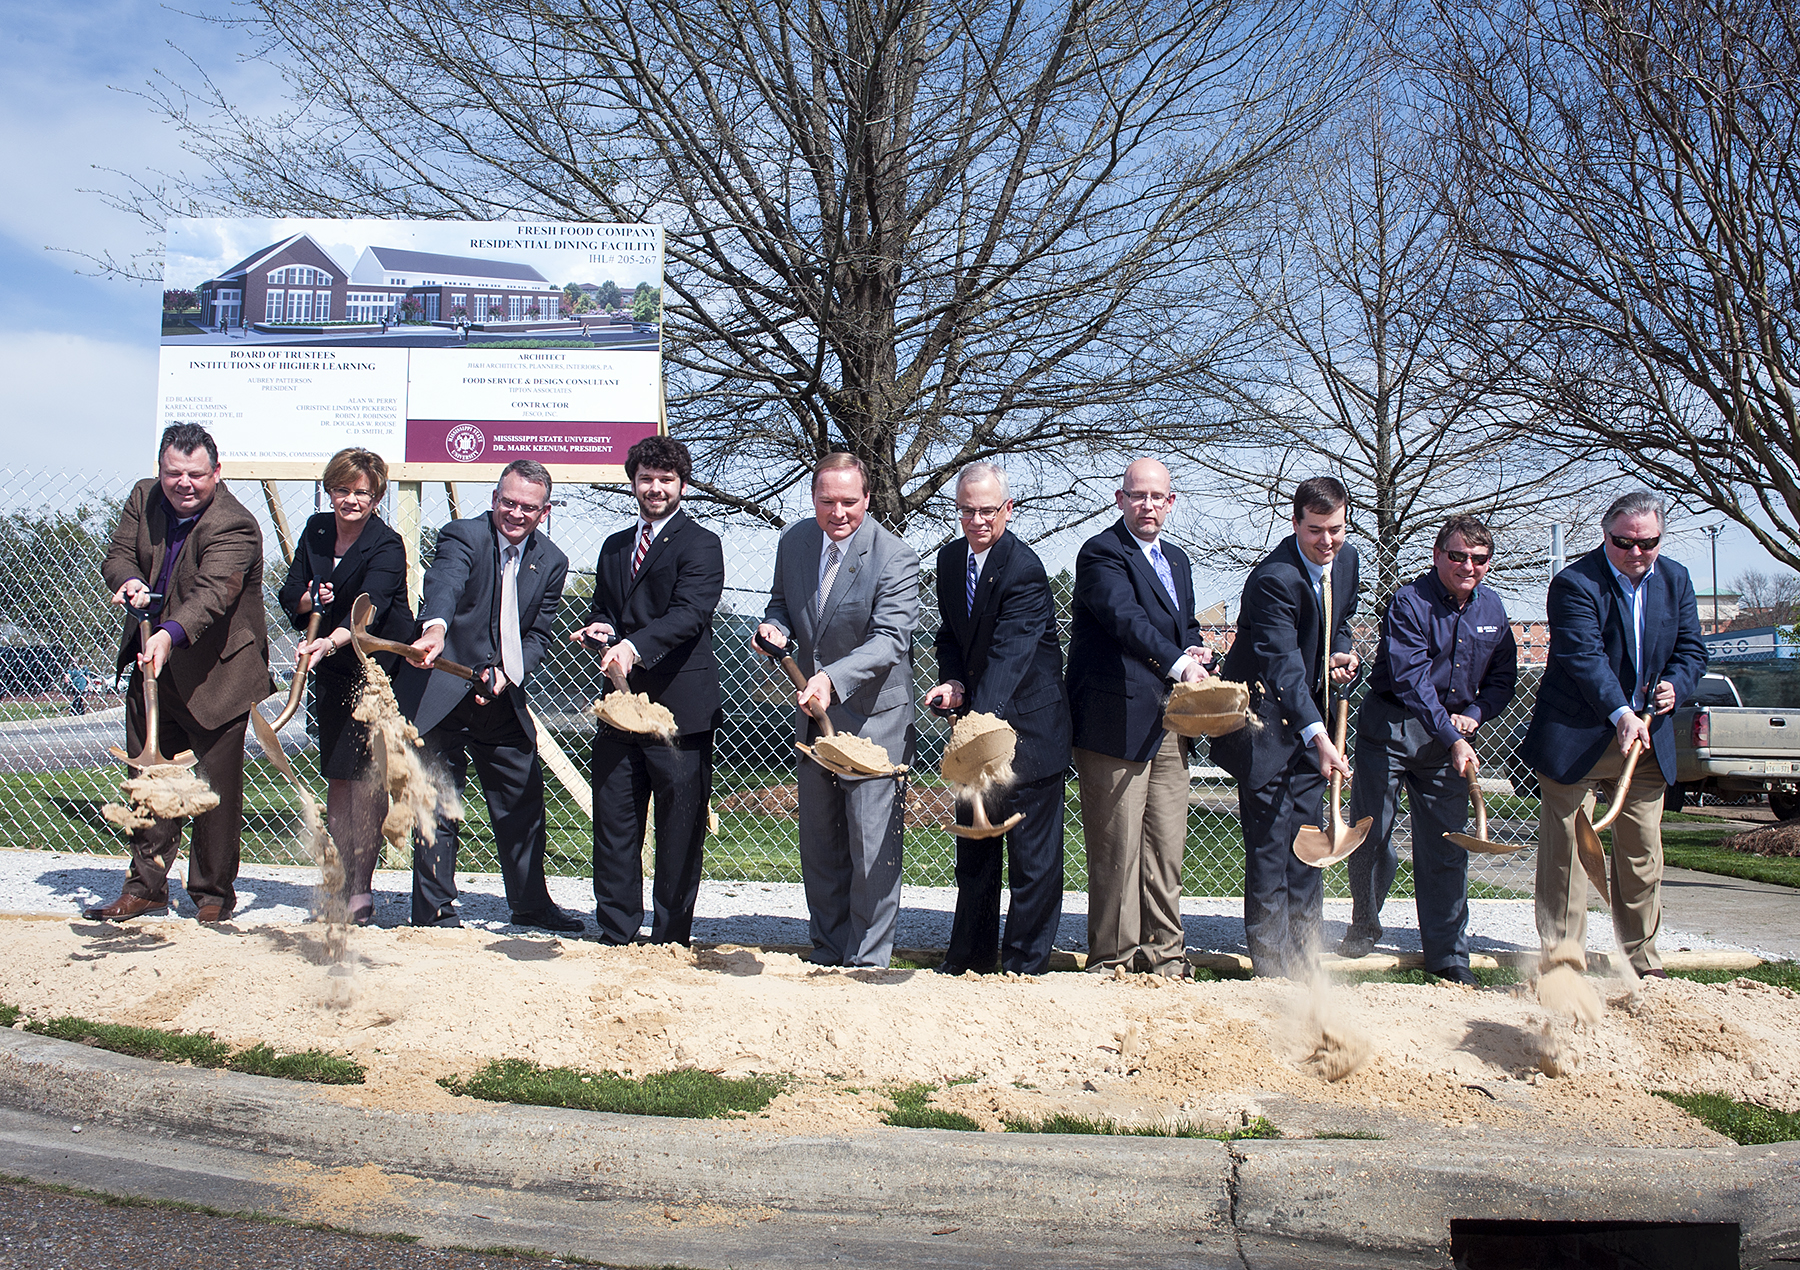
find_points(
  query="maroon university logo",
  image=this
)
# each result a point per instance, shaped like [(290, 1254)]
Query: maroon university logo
[(465, 443)]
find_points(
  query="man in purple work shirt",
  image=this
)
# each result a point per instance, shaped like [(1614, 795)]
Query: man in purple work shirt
[(183, 537), (1446, 664)]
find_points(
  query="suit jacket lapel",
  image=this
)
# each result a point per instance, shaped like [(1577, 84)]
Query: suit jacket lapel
[(981, 617), (1137, 560)]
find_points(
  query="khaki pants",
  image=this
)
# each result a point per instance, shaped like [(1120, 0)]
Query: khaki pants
[(1134, 823), (1635, 864)]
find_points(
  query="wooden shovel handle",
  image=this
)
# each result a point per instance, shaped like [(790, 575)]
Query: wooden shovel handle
[(375, 644), (798, 679)]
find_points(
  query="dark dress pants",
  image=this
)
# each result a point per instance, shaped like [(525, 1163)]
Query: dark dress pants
[(1284, 897), (1394, 749), (512, 782), (628, 769), (213, 860), (1032, 852)]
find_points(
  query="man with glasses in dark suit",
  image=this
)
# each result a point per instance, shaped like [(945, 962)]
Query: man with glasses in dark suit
[(1624, 640)]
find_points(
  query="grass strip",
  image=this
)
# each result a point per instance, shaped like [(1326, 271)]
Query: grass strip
[(688, 1092), (1699, 847), (1745, 1123), (1782, 974), (197, 1049), (913, 1111), (1499, 976), (1065, 1122)]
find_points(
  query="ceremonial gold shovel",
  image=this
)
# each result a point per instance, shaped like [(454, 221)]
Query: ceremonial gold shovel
[(1587, 833), (361, 611), (1318, 847), (298, 687), (821, 716), (1479, 843), (150, 756), (976, 764)]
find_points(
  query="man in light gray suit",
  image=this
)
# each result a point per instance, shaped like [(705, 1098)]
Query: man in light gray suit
[(846, 591)]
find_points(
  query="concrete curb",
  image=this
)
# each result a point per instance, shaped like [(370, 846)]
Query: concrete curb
[(1376, 1195)]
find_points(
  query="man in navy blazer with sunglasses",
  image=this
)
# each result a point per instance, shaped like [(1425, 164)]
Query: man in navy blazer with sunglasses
[(1625, 650)]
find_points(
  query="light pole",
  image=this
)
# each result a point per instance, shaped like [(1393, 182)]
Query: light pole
[(1712, 531)]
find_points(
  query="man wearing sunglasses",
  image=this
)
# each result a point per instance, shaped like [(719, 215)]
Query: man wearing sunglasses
[(1446, 664), (1625, 649)]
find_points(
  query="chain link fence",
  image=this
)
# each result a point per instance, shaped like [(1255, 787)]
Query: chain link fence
[(60, 708)]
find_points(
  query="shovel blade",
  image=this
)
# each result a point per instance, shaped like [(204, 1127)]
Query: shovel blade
[(1481, 846), (986, 831), (1592, 855), (271, 744), (1313, 845), (1346, 839)]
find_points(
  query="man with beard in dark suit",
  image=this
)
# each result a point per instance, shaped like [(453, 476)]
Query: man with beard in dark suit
[(490, 604), (1132, 635), (1293, 634), (998, 653), (655, 588), (184, 538)]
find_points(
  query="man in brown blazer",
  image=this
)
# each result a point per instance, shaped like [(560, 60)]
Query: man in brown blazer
[(184, 537)]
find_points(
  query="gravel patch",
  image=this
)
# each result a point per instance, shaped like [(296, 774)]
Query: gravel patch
[(754, 913)]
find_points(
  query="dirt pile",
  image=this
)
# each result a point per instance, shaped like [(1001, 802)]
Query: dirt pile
[(1440, 1060)]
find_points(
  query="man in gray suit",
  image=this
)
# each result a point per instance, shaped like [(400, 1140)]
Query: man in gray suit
[(846, 592)]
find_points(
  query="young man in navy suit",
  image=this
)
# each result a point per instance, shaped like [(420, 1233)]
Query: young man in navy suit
[(1132, 635), (1624, 640), (655, 588), (490, 603), (999, 653), (1293, 633)]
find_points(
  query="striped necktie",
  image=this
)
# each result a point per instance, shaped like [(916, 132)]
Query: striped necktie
[(832, 559), (643, 549), (974, 576)]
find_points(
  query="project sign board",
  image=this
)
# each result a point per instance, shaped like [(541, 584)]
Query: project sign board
[(450, 348)]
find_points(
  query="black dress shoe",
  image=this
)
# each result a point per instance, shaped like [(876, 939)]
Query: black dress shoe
[(451, 922), (554, 919), (1657, 973), (1456, 974), (1357, 943), (125, 908), (950, 969)]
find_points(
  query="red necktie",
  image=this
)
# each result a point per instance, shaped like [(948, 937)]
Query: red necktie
[(643, 546)]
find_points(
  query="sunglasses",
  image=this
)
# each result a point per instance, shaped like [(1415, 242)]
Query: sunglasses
[(1642, 544), (1476, 558)]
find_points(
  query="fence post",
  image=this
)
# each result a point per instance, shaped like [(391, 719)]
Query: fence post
[(409, 516)]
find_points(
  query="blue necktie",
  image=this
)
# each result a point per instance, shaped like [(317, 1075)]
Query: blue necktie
[(1163, 572), (970, 588)]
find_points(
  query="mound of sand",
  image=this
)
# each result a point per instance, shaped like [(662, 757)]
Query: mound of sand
[(854, 753), (635, 712), (1441, 1062), (980, 752), (167, 791)]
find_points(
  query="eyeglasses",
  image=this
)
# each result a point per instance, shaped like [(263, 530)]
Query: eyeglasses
[(342, 495), (1476, 558), (1147, 497), (524, 509), (1642, 544), (979, 513)]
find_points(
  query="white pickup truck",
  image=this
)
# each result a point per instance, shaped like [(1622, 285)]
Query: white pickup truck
[(1723, 747)]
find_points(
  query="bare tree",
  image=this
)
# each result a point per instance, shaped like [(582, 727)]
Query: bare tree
[(1630, 165), (926, 233), (1381, 356), (1770, 600)]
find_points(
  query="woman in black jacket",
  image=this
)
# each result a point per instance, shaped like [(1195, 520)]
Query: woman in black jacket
[(343, 553)]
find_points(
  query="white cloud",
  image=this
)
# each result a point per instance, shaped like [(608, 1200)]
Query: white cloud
[(77, 404)]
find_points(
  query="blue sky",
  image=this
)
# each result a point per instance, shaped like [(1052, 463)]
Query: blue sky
[(77, 371)]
